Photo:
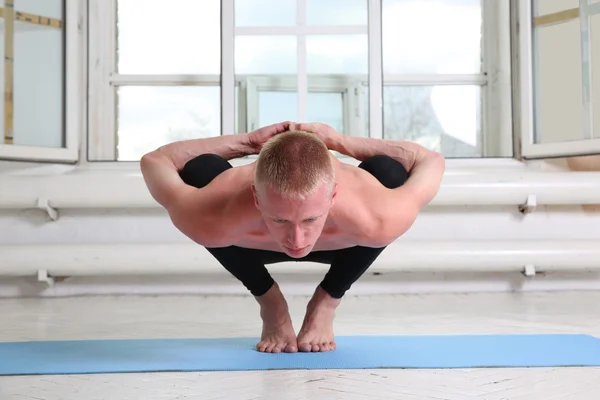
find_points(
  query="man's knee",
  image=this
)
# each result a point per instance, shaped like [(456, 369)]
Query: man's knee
[(201, 170), (389, 172)]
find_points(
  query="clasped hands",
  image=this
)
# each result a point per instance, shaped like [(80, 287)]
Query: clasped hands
[(324, 132)]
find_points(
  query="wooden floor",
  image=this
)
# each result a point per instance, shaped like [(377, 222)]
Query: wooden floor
[(194, 316)]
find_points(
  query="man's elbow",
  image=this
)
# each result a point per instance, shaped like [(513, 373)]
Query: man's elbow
[(438, 161), (392, 228)]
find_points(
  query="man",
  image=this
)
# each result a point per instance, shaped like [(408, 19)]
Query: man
[(298, 202)]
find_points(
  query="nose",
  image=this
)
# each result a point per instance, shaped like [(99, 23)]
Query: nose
[(296, 237)]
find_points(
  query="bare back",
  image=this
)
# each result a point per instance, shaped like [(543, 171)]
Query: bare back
[(350, 221)]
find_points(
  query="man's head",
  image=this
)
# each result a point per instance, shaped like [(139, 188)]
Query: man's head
[(294, 187)]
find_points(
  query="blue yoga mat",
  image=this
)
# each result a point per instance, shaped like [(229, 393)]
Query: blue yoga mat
[(353, 352)]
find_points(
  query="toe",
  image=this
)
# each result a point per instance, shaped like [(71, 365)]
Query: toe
[(277, 348), (315, 347), (305, 347), (290, 348), (325, 347), (270, 347)]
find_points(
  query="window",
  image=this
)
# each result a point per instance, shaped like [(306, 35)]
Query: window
[(563, 89), (154, 75), (435, 72), (32, 79)]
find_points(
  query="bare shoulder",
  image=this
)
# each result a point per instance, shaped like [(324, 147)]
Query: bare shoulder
[(366, 207), (213, 215)]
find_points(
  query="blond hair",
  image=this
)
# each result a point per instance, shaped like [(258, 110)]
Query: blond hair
[(294, 164)]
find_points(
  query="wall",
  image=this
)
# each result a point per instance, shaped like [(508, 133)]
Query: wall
[(466, 224), (463, 224)]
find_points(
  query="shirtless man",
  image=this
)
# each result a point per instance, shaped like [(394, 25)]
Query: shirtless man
[(296, 202)]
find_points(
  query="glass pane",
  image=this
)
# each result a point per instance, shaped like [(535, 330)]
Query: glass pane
[(33, 110), (151, 116), (332, 54), (595, 57), (327, 108), (337, 12), (47, 8), (441, 118), (558, 83), (183, 37), (431, 36), (265, 54), (275, 107), (544, 7), (265, 12)]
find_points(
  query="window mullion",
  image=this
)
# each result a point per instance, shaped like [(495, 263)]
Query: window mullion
[(375, 71), (102, 135), (496, 129), (301, 62), (228, 68)]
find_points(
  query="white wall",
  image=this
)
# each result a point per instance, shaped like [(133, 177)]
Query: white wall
[(464, 224)]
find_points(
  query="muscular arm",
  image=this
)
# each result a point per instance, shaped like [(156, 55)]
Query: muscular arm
[(425, 167), (189, 208), (226, 146), (161, 167), (398, 208)]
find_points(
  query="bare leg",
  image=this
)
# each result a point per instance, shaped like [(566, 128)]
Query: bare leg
[(316, 334), (278, 332)]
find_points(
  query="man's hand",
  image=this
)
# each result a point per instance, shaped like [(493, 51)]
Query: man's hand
[(259, 137), (326, 133)]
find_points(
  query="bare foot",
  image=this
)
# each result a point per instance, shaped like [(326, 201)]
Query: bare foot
[(316, 334), (278, 332)]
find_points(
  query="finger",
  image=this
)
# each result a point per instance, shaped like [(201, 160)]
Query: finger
[(276, 128), (285, 126), (306, 127)]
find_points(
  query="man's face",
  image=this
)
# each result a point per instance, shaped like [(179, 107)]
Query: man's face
[(295, 224)]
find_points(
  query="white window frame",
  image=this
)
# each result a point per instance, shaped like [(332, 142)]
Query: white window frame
[(74, 102), (347, 85), (530, 149), (104, 78), (496, 89)]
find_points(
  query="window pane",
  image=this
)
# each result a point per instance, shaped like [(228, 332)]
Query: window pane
[(543, 7), (337, 12), (36, 110), (327, 108), (343, 54), (149, 117), (558, 83), (442, 118), (431, 36), (183, 37), (275, 107), (46, 8), (265, 12), (265, 54)]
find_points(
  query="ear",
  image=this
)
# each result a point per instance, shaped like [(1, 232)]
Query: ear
[(255, 195), (335, 187)]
